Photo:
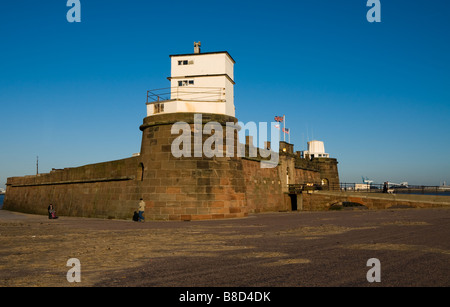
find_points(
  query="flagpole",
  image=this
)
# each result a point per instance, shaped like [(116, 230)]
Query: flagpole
[(284, 128), (279, 139)]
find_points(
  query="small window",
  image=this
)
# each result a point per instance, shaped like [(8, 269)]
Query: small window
[(185, 62), (158, 108), (180, 62), (185, 82)]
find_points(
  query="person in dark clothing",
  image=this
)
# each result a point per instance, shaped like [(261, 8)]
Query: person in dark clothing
[(136, 216), (51, 212)]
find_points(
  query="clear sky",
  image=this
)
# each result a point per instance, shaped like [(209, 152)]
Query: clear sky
[(377, 94)]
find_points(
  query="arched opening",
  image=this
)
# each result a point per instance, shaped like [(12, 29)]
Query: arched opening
[(324, 184)]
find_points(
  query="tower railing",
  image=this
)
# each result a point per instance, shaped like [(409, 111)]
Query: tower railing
[(186, 93)]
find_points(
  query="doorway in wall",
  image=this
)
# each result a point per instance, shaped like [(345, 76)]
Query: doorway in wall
[(293, 198)]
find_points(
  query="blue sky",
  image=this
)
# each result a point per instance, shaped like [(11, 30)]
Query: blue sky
[(377, 94)]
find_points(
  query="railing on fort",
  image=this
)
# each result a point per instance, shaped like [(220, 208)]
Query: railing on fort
[(186, 93), (304, 187), (397, 189), (371, 188)]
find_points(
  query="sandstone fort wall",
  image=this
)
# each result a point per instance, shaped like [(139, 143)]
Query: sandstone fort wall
[(189, 187)]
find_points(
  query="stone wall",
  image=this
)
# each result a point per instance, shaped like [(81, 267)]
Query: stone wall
[(264, 190), (193, 186), (189, 187), (321, 200), (107, 190), (328, 171), (297, 170)]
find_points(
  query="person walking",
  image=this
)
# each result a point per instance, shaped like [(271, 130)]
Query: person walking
[(141, 210)]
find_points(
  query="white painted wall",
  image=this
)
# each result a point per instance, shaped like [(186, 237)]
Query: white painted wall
[(316, 149), (203, 64), (212, 90), (190, 107)]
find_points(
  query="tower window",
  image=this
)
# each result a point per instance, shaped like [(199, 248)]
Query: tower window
[(185, 82), (158, 108)]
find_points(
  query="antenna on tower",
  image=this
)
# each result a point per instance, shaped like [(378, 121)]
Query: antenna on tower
[(197, 47), (37, 165)]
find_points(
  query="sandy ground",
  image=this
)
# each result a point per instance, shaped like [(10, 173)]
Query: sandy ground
[(290, 249)]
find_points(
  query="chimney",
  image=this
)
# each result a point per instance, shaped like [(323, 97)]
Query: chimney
[(197, 47)]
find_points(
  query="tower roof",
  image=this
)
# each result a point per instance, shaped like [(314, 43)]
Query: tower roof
[(195, 54)]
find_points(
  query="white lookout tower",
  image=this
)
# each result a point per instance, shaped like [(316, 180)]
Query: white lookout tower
[(316, 149), (199, 83)]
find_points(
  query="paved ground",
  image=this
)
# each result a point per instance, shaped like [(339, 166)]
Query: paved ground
[(291, 249)]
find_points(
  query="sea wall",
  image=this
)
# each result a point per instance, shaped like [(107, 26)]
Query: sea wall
[(324, 200)]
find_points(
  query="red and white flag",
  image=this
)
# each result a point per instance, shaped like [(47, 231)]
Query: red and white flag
[(279, 119)]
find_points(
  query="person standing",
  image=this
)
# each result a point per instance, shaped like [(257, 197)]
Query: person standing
[(51, 212), (141, 210)]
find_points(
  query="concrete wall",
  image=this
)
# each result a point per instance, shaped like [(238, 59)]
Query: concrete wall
[(202, 64), (208, 70)]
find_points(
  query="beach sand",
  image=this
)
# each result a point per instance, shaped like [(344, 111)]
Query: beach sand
[(271, 249)]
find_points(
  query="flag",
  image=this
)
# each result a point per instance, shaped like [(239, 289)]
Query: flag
[(285, 130), (279, 119)]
